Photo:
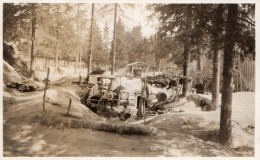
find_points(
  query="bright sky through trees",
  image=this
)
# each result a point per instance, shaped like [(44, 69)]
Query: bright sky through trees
[(134, 16)]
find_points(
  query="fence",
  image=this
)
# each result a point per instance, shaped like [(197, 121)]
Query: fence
[(247, 75)]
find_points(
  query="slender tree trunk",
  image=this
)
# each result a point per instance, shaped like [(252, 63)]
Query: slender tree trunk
[(57, 40), (160, 65), (56, 56), (91, 40), (80, 49), (186, 53), (114, 42), (227, 88), (200, 60), (77, 49), (215, 79), (217, 56), (186, 70), (80, 54), (33, 46)]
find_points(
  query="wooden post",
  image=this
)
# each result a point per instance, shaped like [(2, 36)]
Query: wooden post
[(45, 64), (69, 107), (46, 86), (79, 77), (48, 63), (119, 94), (144, 103), (144, 109)]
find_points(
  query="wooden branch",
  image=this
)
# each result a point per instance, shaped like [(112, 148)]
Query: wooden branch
[(46, 86)]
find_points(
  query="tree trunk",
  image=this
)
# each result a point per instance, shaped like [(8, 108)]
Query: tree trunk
[(56, 56), (186, 70), (80, 53), (77, 49), (227, 88), (186, 53), (91, 39), (114, 42), (33, 46), (200, 60), (160, 65), (215, 79), (217, 55), (57, 40)]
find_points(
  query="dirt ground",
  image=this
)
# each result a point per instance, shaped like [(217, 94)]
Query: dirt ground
[(191, 133), (181, 135)]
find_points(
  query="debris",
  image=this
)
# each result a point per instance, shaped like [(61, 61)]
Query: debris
[(249, 130), (23, 87)]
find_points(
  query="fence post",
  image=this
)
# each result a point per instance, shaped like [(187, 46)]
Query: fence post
[(79, 77), (46, 86), (69, 107)]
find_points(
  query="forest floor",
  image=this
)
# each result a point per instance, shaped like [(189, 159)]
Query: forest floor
[(191, 133)]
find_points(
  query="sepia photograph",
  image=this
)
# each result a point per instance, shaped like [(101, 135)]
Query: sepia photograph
[(123, 79)]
